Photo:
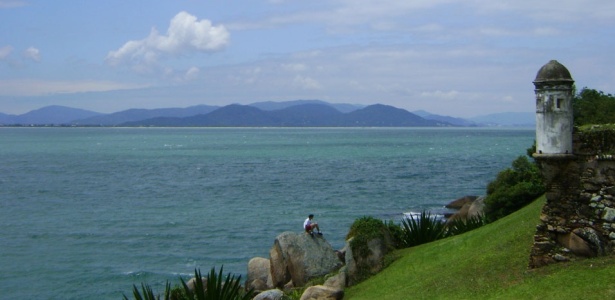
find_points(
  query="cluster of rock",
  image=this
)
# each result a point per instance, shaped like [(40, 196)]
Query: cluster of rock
[(578, 219), (297, 258)]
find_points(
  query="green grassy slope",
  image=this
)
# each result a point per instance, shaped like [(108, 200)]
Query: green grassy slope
[(488, 263)]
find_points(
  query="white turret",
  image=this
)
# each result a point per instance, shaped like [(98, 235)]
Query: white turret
[(554, 118)]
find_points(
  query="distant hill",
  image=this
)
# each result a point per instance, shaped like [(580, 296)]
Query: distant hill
[(520, 119), (384, 115), (309, 115), (446, 119), (421, 113), (288, 113), (313, 115), (270, 105), (451, 120), (7, 119), (54, 114), (132, 115)]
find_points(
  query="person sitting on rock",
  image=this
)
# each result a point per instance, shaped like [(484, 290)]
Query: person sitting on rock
[(309, 225)]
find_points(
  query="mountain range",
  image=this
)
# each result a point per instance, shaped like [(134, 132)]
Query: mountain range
[(298, 113)]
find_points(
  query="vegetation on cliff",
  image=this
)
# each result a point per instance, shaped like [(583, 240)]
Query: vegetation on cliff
[(593, 107), (513, 188), (487, 263)]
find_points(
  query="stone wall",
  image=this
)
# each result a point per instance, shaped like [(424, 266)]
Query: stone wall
[(578, 219)]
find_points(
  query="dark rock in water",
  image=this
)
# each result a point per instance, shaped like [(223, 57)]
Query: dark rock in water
[(300, 257), (459, 203), (472, 206)]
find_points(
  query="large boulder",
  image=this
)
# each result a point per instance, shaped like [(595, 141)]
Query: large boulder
[(467, 207), (300, 257), (477, 208), (337, 281), (362, 264), (270, 295), (459, 203), (259, 274), (321, 292)]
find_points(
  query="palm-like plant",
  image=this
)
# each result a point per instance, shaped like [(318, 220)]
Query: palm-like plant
[(459, 226), (148, 293), (423, 229), (216, 288)]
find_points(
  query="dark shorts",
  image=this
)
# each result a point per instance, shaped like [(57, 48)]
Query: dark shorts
[(308, 227)]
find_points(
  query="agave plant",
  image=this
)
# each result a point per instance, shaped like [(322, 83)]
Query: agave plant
[(148, 293), (215, 288), (422, 229)]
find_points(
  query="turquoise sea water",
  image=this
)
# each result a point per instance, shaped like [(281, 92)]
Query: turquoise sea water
[(85, 213)]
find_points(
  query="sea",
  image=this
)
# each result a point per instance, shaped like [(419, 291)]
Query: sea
[(86, 213)]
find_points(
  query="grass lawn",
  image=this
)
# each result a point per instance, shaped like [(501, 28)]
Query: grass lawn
[(488, 263)]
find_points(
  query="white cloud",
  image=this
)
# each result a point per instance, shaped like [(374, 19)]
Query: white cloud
[(192, 73), (441, 94), (33, 54), (294, 67), (36, 87), (307, 83), (5, 52), (186, 34)]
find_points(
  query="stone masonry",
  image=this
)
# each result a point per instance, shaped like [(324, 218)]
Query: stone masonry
[(578, 219)]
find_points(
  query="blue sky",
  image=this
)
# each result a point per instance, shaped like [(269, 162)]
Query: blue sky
[(458, 58)]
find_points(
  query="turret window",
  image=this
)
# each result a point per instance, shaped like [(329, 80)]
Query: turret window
[(558, 103)]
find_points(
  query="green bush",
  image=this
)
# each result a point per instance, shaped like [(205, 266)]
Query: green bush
[(423, 229), (513, 188), (365, 229), (396, 233)]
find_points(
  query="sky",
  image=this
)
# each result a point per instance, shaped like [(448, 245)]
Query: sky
[(457, 58)]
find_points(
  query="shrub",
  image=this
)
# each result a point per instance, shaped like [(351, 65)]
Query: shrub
[(459, 226), (513, 188), (365, 229), (396, 233)]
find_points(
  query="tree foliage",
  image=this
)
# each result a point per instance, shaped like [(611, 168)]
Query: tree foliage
[(593, 107), (513, 188)]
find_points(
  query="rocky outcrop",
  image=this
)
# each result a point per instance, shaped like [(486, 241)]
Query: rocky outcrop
[(301, 257), (274, 294), (259, 274), (339, 280), (467, 207), (459, 203), (362, 263), (321, 292)]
